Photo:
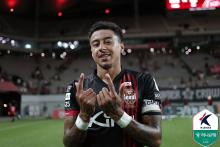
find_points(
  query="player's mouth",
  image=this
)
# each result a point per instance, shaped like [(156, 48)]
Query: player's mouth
[(104, 55)]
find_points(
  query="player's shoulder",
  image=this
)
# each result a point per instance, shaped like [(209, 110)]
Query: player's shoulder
[(71, 86), (140, 75), (90, 77)]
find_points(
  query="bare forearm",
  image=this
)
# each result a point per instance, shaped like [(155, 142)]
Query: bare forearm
[(74, 137), (144, 134)]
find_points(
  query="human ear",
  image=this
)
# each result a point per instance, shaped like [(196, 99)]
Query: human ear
[(122, 47)]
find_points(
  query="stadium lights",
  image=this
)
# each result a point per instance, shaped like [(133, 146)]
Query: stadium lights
[(123, 31), (152, 50), (107, 11), (42, 55), (3, 41), (76, 43), (28, 46), (70, 45), (65, 45), (63, 55), (60, 14), (129, 50), (8, 41), (59, 44), (11, 10), (11, 4), (5, 105), (12, 43)]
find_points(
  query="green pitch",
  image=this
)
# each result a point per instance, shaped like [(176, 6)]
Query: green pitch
[(48, 133)]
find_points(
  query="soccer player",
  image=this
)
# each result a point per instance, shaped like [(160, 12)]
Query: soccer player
[(12, 112), (111, 107)]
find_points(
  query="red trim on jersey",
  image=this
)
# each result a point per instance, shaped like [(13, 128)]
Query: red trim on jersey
[(136, 91), (71, 112), (127, 105), (122, 98), (127, 140), (133, 111), (130, 109)]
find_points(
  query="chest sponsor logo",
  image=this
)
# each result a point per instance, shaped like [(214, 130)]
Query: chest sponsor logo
[(106, 120)]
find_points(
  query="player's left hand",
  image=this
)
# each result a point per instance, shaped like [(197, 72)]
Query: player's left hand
[(110, 101)]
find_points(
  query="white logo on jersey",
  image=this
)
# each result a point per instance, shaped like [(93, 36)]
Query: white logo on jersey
[(129, 96), (108, 121), (67, 104), (150, 105), (67, 96)]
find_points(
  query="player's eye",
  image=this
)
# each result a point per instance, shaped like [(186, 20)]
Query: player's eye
[(96, 44), (108, 41)]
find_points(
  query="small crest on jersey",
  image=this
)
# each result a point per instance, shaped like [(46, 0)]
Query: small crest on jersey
[(67, 96), (67, 104), (129, 96)]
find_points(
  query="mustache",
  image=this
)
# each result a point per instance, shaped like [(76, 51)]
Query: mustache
[(102, 53)]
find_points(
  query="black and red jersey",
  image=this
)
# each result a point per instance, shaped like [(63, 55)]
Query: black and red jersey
[(141, 98)]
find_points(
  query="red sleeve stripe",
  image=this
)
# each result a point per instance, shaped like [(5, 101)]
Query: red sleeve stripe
[(71, 112)]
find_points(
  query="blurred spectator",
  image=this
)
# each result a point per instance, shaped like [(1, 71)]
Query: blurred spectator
[(12, 112), (37, 74), (44, 110), (186, 109), (167, 109), (209, 98)]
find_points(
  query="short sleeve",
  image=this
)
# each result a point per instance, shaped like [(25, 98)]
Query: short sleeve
[(71, 106), (151, 96)]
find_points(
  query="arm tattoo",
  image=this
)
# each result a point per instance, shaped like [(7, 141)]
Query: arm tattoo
[(148, 133), (73, 137)]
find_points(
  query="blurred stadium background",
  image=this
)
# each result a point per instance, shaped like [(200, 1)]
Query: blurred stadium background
[(44, 46)]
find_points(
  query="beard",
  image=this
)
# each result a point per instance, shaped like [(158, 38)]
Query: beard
[(106, 66), (104, 63)]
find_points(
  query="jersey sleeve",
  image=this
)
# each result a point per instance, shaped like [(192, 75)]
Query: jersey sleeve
[(71, 106), (151, 96)]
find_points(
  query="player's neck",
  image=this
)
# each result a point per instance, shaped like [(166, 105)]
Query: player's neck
[(113, 72)]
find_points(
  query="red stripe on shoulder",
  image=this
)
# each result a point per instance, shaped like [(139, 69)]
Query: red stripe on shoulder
[(71, 112)]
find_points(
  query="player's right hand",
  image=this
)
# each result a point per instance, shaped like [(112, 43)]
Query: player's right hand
[(86, 100)]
